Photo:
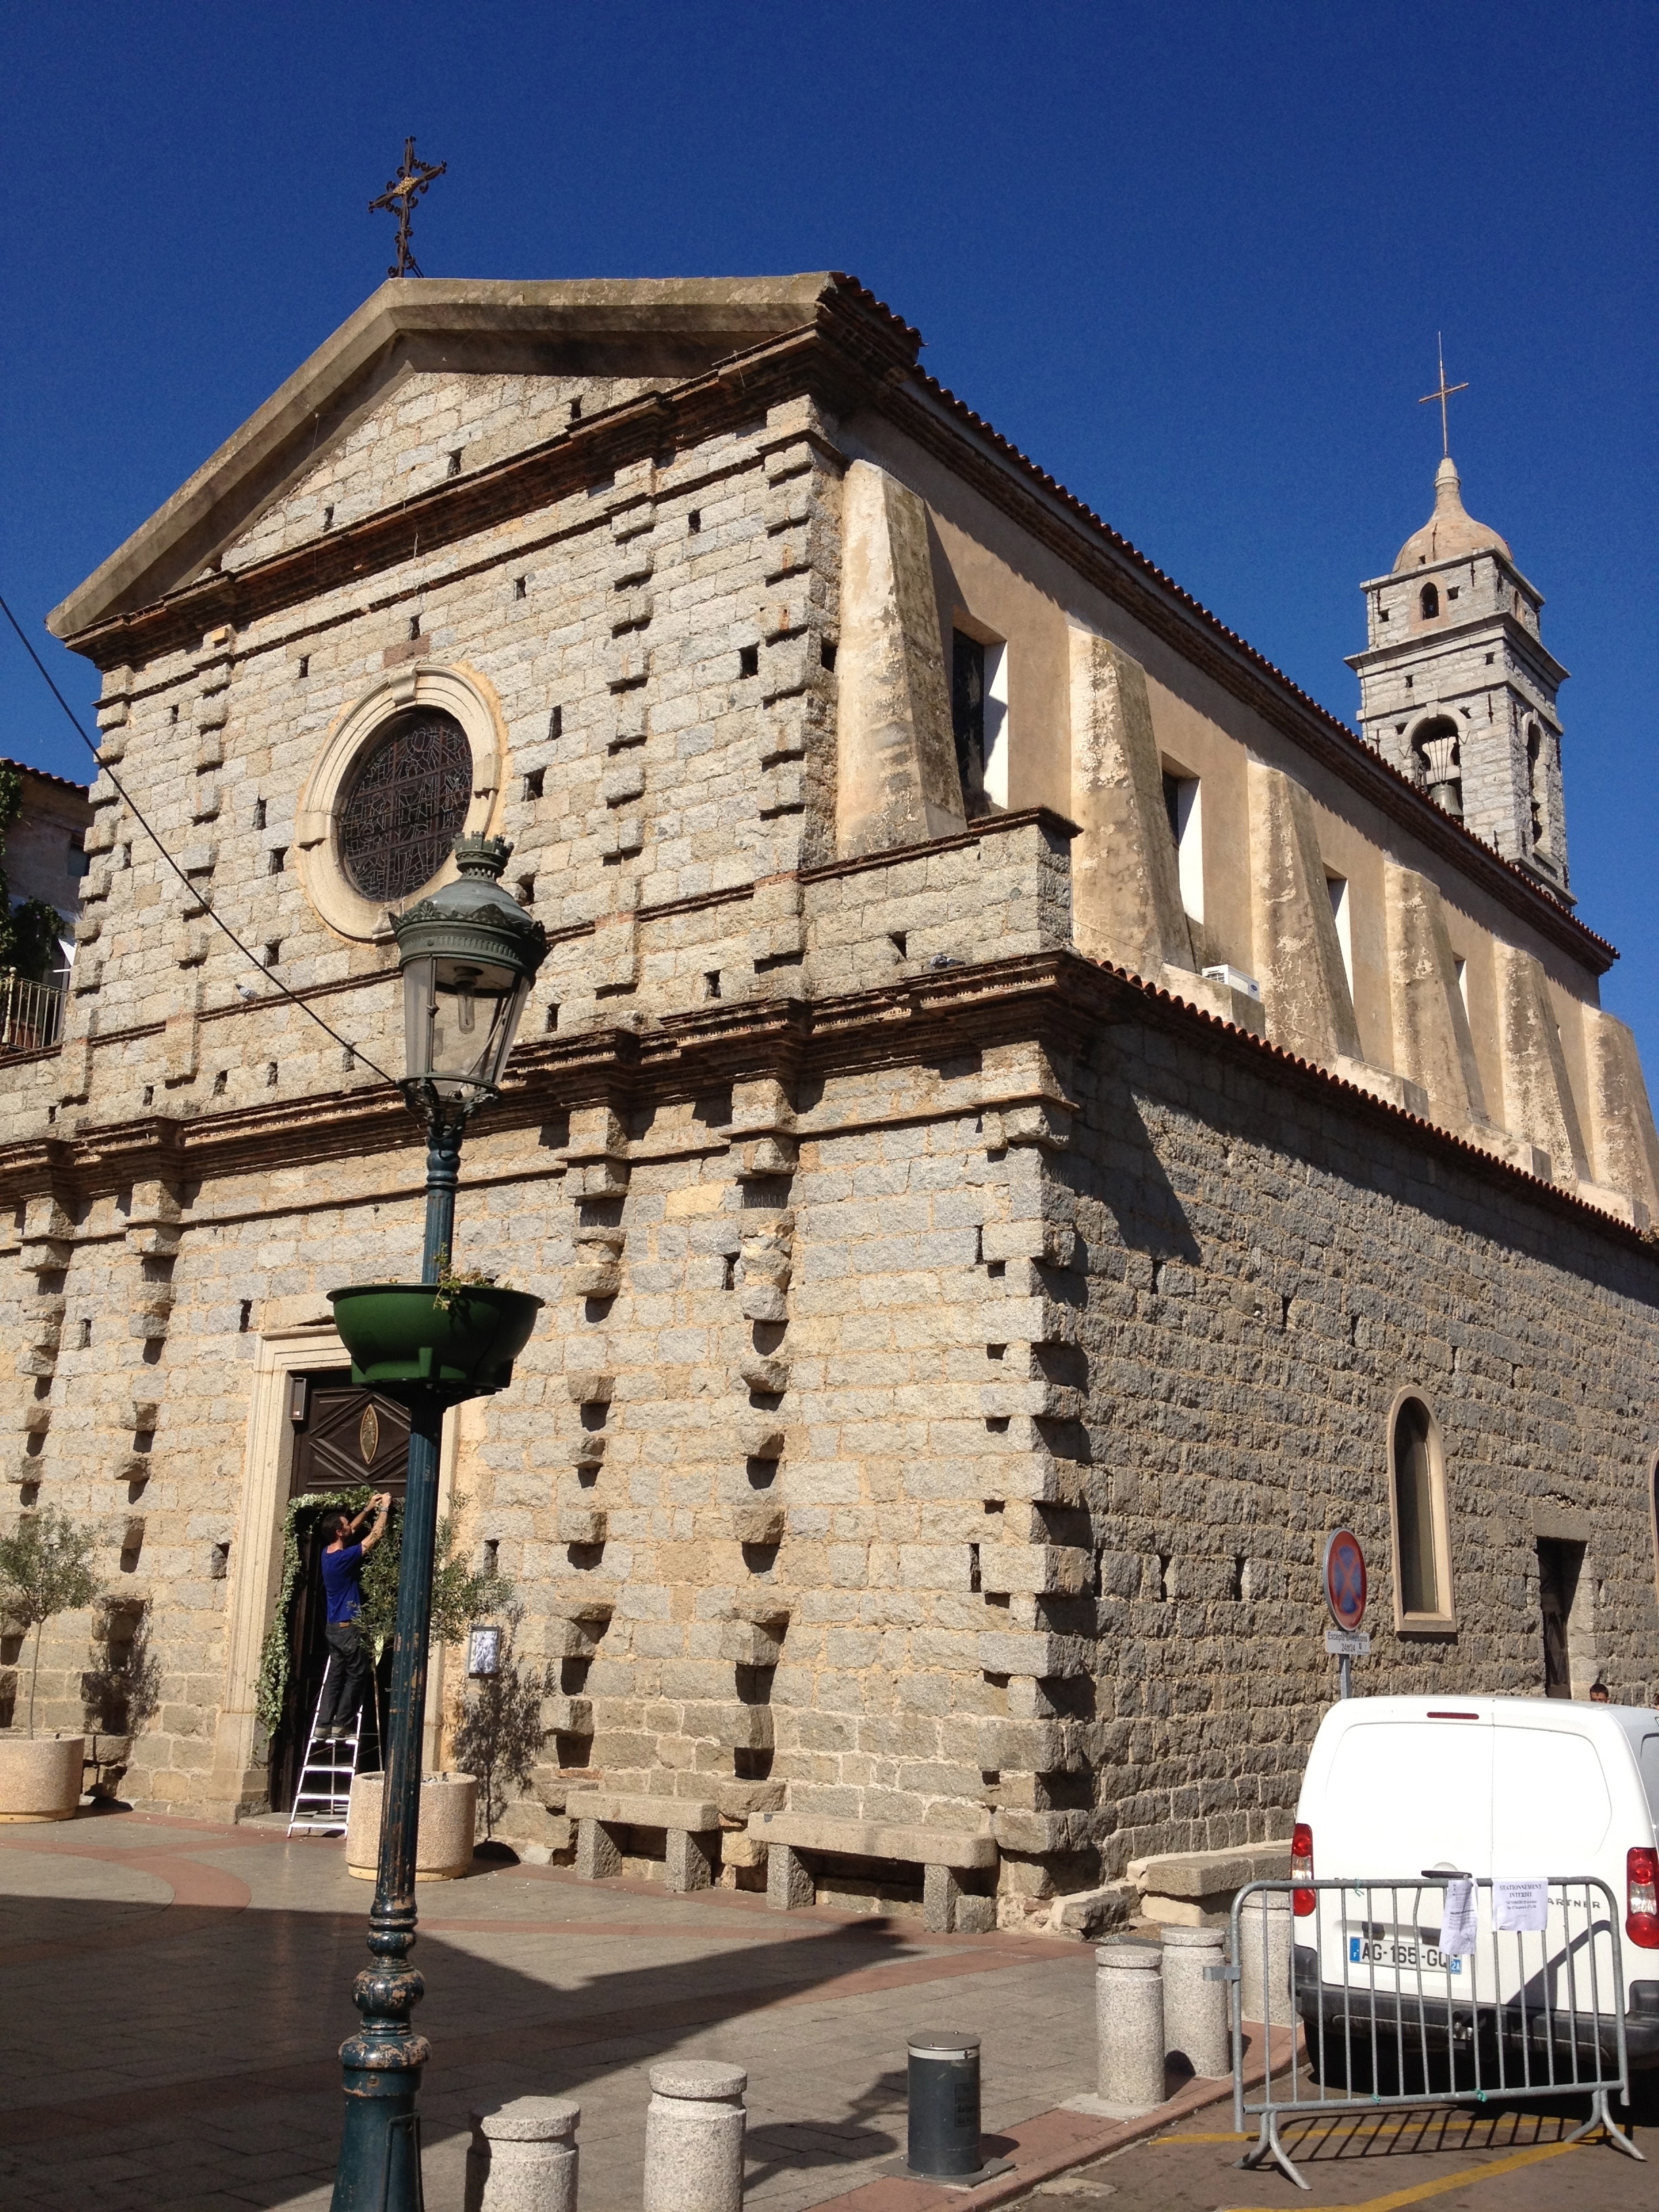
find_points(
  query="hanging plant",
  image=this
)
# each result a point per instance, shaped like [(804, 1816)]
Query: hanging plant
[(457, 1596)]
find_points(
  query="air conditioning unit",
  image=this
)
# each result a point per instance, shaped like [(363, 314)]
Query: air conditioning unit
[(1236, 980)]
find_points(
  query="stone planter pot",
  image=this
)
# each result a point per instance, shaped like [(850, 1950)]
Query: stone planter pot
[(397, 1332), (40, 1779), (443, 1849)]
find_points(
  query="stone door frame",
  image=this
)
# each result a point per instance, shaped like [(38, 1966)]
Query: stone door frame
[(239, 1773)]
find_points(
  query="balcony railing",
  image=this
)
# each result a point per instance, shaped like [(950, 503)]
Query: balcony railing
[(31, 1015)]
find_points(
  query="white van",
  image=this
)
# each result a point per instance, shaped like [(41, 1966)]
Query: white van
[(1505, 1788)]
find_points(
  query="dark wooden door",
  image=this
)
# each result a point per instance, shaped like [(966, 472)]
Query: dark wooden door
[(342, 1438), (1557, 1581)]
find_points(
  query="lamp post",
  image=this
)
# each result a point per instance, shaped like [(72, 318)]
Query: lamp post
[(467, 957)]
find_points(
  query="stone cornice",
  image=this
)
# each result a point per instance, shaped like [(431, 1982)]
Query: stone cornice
[(1062, 997)]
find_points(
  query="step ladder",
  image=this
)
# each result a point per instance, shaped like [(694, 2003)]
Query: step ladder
[(323, 1799)]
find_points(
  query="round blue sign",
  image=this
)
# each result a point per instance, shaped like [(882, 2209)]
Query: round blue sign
[(1345, 1578)]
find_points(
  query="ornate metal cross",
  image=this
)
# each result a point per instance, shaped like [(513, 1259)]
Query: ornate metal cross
[(1443, 395), (399, 198)]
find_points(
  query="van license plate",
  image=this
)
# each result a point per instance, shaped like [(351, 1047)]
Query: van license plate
[(1388, 1951)]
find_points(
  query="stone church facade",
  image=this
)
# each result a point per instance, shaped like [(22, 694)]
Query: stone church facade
[(1025, 1125)]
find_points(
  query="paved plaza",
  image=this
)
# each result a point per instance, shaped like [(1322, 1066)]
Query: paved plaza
[(174, 1992)]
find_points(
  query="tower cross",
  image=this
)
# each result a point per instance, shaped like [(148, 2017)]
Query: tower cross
[(1443, 395), (399, 198)]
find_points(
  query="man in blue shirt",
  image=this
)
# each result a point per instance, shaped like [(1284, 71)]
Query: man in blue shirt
[(347, 1679)]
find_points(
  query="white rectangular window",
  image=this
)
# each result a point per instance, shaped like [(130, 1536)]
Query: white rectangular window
[(1338, 888), (1181, 798)]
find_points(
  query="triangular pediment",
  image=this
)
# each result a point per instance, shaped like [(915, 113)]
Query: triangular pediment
[(630, 334)]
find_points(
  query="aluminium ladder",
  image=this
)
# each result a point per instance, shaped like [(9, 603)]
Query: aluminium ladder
[(323, 1799)]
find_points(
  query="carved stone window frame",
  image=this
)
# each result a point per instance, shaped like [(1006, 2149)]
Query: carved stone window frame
[(1444, 1621), (460, 692)]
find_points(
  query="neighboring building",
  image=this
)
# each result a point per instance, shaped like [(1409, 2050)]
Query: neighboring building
[(45, 848), (1026, 1124)]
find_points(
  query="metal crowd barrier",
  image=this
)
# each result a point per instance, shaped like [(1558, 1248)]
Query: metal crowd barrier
[(1392, 2022)]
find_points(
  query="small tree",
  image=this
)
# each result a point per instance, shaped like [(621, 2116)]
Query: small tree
[(44, 1570), (29, 931), (498, 1736)]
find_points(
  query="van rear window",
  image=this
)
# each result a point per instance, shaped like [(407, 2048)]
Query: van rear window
[(1550, 1808)]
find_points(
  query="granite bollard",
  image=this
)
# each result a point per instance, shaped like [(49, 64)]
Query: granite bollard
[(1196, 2025), (1129, 2027), (693, 2130), (1264, 1958), (522, 2157)]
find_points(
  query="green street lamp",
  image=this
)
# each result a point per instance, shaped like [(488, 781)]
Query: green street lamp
[(468, 957)]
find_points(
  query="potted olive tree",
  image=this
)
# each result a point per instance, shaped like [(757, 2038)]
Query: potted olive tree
[(44, 1570)]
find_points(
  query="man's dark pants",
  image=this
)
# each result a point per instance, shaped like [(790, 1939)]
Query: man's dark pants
[(347, 1680)]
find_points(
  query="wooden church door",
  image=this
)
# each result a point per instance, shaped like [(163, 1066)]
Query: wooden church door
[(342, 1438)]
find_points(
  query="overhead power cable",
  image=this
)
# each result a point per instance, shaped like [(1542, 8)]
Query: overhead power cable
[(195, 890)]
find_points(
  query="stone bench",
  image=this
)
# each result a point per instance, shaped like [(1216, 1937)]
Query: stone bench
[(691, 1824), (942, 1854), (1195, 1889)]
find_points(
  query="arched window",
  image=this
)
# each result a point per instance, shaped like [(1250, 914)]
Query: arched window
[(1417, 1491), (1429, 600), (1438, 759)]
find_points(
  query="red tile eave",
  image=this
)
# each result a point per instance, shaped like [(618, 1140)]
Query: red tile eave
[(45, 775), (1315, 1077), (1120, 546)]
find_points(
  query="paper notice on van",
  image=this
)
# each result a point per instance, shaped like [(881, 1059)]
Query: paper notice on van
[(1523, 1906), (1457, 1922)]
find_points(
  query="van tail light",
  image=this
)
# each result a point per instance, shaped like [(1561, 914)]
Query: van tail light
[(1304, 1900), (1642, 1898)]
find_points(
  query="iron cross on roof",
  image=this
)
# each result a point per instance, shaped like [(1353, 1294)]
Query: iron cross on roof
[(1443, 395), (399, 198)]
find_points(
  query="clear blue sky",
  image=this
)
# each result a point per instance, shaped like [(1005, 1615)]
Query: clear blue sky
[(1191, 258)]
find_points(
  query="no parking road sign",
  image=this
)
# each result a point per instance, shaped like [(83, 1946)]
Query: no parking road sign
[(1345, 1578)]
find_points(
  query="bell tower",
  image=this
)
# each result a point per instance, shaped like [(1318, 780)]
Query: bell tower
[(1457, 689)]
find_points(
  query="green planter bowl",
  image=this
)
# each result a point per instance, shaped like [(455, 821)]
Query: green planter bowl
[(397, 1332)]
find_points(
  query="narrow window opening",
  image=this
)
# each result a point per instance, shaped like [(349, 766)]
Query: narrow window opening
[(245, 1316), (270, 1075), (1429, 600), (694, 522), (711, 984), (414, 626), (979, 720), (534, 781), (305, 665), (454, 469), (126, 856), (1489, 659), (1165, 1586), (258, 814), (273, 950), (555, 723), (1418, 1515), (492, 1555), (348, 1059), (1536, 780), (1383, 614), (277, 861), (221, 1083), (328, 518), (1338, 888), (730, 1282), (576, 408), (520, 587), (827, 654), (1452, 591), (1183, 804), (86, 1334), (149, 1094), (525, 889), (1240, 1588), (1463, 968), (974, 1582), (219, 1562), (552, 1019), (1560, 1568), (749, 660), (900, 941), (172, 712)]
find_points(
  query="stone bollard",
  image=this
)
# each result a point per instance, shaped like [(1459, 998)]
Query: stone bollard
[(1195, 2023), (1129, 2027), (1264, 1961), (523, 2156), (694, 2138)]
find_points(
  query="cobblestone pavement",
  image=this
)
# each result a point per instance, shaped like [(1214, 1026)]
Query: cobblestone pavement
[(175, 1993)]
